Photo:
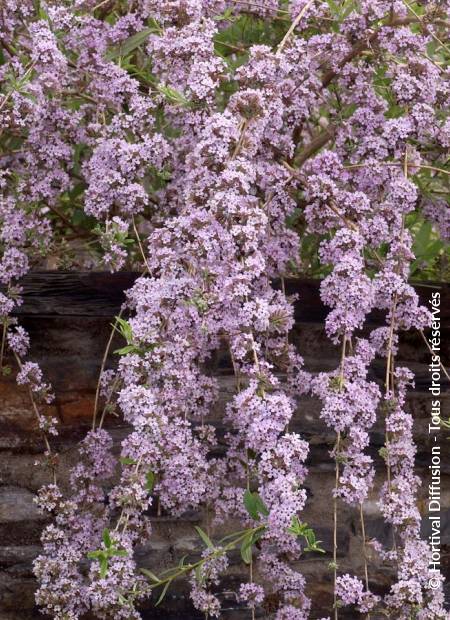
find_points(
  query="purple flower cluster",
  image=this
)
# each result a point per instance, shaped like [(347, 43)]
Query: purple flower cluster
[(209, 154), (76, 530)]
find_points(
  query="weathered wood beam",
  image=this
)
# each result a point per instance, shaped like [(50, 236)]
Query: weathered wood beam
[(100, 294)]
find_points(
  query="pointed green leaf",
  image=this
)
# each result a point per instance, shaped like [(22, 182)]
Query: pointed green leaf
[(261, 507), (257, 535), (163, 594), (129, 348), (118, 553), (130, 44), (198, 574), (125, 329), (106, 538), (103, 567), (204, 536), (310, 537), (150, 481), (246, 548), (150, 575), (254, 505), (94, 555), (126, 460), (174, 96), (251, 504)]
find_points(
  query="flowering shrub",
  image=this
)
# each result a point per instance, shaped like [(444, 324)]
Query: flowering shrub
[(218, 146)]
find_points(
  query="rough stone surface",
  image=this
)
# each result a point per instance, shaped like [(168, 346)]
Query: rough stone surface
[(17, 505)]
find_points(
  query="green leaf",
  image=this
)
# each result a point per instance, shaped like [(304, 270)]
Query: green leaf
[(427, 247), (315, 548), (250, 504), (150, 481), (333, 7), (42, 14), (6, 371), (174, 96), (383, 452), (150, 575), (257, 535), (130, 44), (254, 505), (103, 567), (121, 553), (310, 537), (124, 329), (227, 15), (204, 536), (129, 348), (261, 507), (422, 237), (94, 555), (433, 249), (246, 548), (298, 528), (79, 218), (198, 574), (247, 544), (348, 8), (126, 460), (163, 594), (107, 538)]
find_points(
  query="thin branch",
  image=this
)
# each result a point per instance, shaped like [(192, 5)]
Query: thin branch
[(239, 143), (13, 90), (314, 146), (293, 26), (102, 368), (140, 245), (67, 221), (362, 46), (11, 51), (38, 418), (428, 30), (2, 348), (246, 3), (337, 480), (396, 165), (363, 534)]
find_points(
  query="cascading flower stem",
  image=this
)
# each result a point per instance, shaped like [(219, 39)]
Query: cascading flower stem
[(218, 148), (336, 482)]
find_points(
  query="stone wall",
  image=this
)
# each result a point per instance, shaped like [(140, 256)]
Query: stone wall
[(68, 317)]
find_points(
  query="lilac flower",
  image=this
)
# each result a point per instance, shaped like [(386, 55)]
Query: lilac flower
[(19, 341), (252, 594), (226, 156), (350, 591), (30, 374)]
